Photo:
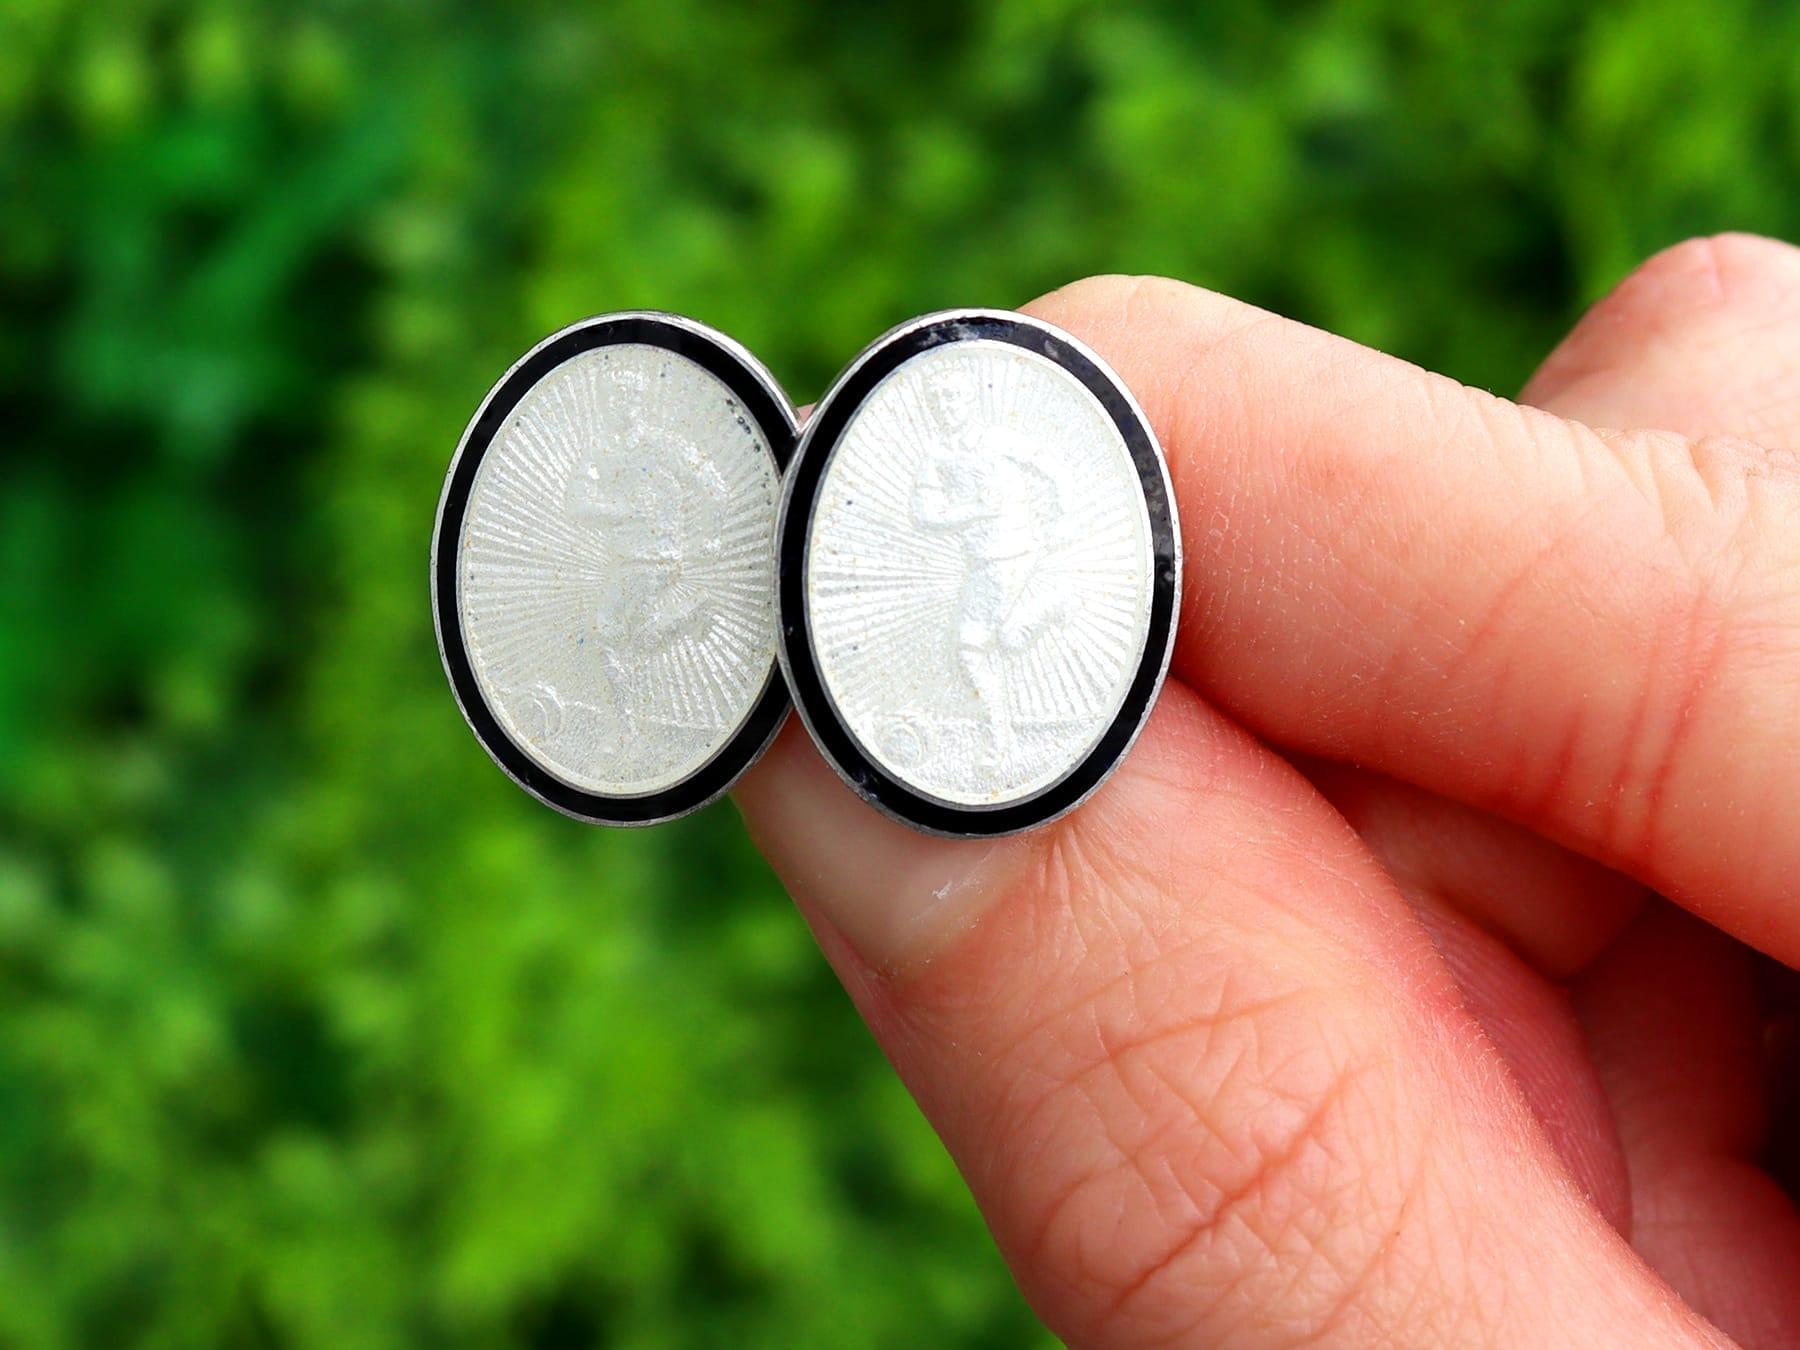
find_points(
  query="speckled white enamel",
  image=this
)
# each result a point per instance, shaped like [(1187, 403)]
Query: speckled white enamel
[(979, 573), (615, 576)]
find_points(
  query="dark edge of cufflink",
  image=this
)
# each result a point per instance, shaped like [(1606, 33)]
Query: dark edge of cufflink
[(819, 442), (763, 399)]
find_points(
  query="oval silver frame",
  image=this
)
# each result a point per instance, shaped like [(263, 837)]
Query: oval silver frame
[(764, 400), (812, 700)]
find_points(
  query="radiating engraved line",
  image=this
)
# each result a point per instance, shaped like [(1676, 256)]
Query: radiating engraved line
[(877, 642), (534, 583), (542, 456), (527, 523)]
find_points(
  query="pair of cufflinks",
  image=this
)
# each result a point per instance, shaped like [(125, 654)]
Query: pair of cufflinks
[(963, 574)]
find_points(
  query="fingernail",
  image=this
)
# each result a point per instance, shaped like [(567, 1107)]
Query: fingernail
[(895, 895)]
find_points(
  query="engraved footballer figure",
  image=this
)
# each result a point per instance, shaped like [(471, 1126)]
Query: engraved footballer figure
[(981, 484), (657, 523)]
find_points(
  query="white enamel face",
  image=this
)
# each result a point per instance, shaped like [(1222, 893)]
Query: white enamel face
[(615, 579), (979, 573)]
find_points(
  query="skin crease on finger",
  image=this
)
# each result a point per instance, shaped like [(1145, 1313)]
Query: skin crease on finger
[(1699, 340), (1670, 1012), (1694, 327), (917, 897), (1693, 340), (1704, 336), (1561, 942), (1199, 1088), (1598, 635)]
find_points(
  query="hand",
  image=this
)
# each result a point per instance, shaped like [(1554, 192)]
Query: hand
[(1351, 1009)]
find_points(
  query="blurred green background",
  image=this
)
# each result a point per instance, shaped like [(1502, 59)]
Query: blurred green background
[(314, 1031)]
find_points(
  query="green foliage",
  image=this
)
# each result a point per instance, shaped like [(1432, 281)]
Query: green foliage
[(313, 1030)]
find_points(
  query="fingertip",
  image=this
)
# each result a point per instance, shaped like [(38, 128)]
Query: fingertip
[(1685, 340), (894, 895), (1131, 321), (898, 898)]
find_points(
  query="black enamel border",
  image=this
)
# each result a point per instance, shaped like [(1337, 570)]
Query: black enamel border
[(817, 445), (759, 395)]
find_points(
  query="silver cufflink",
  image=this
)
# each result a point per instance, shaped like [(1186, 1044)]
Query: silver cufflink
[(603, 567), (969, 572), (979, 571)]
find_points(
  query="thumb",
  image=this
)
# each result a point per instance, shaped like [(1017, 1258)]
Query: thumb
[(1205, 1075)]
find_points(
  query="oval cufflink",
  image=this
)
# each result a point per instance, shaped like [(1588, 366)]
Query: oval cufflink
[(603, 567), (979, 572)]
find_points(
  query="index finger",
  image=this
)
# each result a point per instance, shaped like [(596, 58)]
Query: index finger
[(1597, 633)]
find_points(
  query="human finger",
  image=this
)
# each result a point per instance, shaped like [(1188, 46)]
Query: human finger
[(1203, 1070), (1596, 634), (1671, 1015)]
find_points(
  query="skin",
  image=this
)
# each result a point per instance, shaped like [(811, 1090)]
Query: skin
[(1418, 979)]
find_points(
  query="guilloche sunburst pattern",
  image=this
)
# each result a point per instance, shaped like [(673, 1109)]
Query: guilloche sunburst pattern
[(980, 573), (616, 578)]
